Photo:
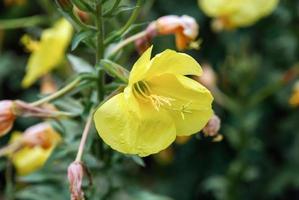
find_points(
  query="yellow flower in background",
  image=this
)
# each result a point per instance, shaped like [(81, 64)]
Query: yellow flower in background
[(230, 14), (158, 104), (38, 142), (294, 99), (48, 52)]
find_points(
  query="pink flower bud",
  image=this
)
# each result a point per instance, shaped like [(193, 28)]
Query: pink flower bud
[(7, 116), (75, 175), (184, 28), (212, 127), (41, 135), (208, 77)]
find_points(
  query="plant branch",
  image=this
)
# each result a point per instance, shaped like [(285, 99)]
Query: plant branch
[(23, 22), (84, 137), (59, 93)]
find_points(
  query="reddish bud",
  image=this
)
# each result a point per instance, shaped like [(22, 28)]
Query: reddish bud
[(212, 127), (7, 116), (75, 175)]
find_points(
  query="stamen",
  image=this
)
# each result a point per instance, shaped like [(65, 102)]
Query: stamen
[(142, 90)]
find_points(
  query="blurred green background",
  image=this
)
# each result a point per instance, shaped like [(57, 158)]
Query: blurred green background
[(259, 155)]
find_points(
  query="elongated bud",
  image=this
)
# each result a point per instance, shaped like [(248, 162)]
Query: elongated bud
[(75, 173), (7, 116), (212, 127), (83, 16), (65, 5), (41, 135)]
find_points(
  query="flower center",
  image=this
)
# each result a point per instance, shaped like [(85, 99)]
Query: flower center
[(142, 91)]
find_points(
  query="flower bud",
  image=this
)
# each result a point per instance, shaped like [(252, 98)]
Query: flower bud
[(184, 28), (7, 116), (75, 175), (83, 16), (208, 77), (42, 135), (212, 127)]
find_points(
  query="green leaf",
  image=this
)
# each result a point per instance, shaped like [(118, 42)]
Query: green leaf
[(79, 65), (81, 37)]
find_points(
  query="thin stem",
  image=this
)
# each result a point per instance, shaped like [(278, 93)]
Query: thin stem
[(59, 93), (23, 22), (127, 41), (84, 137), (131, 20), (109, 12)]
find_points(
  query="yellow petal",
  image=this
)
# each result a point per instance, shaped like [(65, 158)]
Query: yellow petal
[(133, 127), (140, 67), (28, 160), (168, 61), (216, 8), (172, 62), (50, 52), (191, 106)]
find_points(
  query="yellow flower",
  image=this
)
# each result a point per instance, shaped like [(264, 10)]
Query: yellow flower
[(158, 104), (294, 99), (49, 52), (33, 156), (237, 13)]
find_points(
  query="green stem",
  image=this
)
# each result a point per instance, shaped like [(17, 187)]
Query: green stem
[(59, 93), (100, 48), (131, 20), (110, 12), (127, 41), (23, 22)]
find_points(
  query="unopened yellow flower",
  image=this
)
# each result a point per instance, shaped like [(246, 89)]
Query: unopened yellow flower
[(49, 52), (158, 104), (237, 13), (31, 158)]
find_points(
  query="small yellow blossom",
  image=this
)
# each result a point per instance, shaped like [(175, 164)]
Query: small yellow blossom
[(230, 14), (294, 99), (158, 104), (32, 156), (48, 52)]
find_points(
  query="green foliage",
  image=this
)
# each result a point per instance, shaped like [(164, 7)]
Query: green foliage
[(259, 156)]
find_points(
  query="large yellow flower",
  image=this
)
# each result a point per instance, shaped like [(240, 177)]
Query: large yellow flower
[(237, 13), (158, 104), (49, 52)]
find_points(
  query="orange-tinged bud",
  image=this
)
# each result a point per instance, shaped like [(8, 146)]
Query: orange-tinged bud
[(184, 28), (75, 173), (42, 135), (83, 16), (7, 116)]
